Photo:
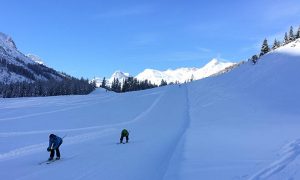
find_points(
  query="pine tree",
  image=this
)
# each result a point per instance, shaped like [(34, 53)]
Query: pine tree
[(291, 35), (192, 78), (264, 48), (163, 83), (254, 59), (286, 38), (298, 33), (116, 85), (276, 44), (103, 84)]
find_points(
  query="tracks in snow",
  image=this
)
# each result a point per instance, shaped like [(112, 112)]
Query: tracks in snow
[(137, 118), (177, 153), (288, 155), (99, 132)]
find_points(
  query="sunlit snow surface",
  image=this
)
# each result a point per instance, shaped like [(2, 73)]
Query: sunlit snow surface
[(244, 124)]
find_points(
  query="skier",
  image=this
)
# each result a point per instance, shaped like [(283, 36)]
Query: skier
[(124, 133), (54, 143)]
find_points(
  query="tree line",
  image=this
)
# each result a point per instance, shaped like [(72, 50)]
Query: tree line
[(53, 83), (67, 86), (265, 48), (130, 84)]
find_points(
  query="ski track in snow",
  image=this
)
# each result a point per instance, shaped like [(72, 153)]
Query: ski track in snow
[(288, 155), (108, 129), (137, 118), (179, 144)]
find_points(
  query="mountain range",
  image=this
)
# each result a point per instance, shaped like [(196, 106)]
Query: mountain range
[(179, 75), (17, 67)]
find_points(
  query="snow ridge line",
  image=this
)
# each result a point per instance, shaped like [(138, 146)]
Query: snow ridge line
[(36, 148), (180, 141), (288, 155)]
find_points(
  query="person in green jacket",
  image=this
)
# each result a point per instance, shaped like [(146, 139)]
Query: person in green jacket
[(124, 133)]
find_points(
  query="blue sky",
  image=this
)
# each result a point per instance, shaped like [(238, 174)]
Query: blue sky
[(96, 37)]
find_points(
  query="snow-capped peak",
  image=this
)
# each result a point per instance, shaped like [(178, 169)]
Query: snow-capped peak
[(212, 63), (179, 75), (7, 41), (182, 75), (121, 76), (10, 54), (35, 58)]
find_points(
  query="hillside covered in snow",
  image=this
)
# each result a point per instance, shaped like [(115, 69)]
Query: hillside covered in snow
[(28, 76), (240, 125), (16, 67)]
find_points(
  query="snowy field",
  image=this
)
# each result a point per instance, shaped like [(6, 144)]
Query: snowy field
[(241, 125)]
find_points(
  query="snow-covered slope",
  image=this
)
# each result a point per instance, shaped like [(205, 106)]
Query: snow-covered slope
[(16, 67), (35, 58), (244, 124), (240, 125)]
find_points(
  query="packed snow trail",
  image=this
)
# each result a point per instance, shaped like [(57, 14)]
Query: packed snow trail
[(155, 118)]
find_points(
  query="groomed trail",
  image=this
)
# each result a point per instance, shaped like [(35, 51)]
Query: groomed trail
[(156, 120)]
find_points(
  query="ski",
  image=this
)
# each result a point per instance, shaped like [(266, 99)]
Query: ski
[(52, 161), (43, 162), (120, 143), (49, 162)]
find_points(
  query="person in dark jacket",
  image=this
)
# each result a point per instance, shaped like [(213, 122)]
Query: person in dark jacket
[(124, 133), (54, 144)]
